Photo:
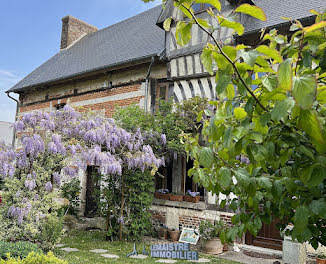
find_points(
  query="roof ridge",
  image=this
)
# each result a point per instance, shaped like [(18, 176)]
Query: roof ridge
[(124, 20)]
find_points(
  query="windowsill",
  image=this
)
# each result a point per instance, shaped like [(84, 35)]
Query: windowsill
[(196, 206)]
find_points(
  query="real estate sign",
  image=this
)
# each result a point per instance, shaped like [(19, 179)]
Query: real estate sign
[(173, 251)]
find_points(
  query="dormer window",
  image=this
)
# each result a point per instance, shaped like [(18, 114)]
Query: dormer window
[(200, 7)]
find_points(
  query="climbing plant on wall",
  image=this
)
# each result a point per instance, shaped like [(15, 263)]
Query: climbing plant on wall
[(60, 144)]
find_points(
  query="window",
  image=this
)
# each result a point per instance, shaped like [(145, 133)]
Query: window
[(200, 7), (162, 93), (59, 106)]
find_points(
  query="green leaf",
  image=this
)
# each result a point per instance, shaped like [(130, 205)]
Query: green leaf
[(270, 82), (301, 217), (222, 81), (183, 33), (307, 58), (214, 3), (318, 208), (167, 24), (231, 24), (309, 123), (272, 53), (206, 58), (206, 157), (230, 52), (203, 22), (265, 183), (321, 94), (282, 109), (304, 91), (230, 91), (252, 10), (250, 57), (314, 27), (224, 177), (318, 175), (242, 176), (221, 62), (239, 113), (305, 174), (285, 75)]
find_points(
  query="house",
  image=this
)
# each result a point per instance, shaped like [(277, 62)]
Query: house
[(6, 132), (136, 61)]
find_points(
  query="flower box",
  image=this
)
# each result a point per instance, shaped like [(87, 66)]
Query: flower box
[(176, 197), (191, 199), (164, 196)]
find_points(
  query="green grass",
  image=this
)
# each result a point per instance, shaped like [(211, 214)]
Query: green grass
[(87, 240)]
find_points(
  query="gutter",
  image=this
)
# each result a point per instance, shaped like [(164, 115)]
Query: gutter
[(147, 82), (16, 117)]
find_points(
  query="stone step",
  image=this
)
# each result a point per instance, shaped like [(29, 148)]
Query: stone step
[(260, 250)]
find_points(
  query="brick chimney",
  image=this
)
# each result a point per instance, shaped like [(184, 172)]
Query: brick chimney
[(73, 29)]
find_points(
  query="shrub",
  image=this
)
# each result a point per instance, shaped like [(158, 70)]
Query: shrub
[(35, 258), (51, 230), (18, 249), (210, 230)]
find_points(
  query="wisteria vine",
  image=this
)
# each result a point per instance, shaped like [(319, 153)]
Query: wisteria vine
[(78, 140)]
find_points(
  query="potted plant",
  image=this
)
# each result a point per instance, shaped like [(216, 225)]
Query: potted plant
[(174, 234), (163, 232), (210, 232), (176, 196), (321, 259), (162, 194), (192, 197)]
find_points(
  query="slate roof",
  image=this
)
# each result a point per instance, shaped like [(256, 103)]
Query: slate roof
[(276, 9), (133, 39)]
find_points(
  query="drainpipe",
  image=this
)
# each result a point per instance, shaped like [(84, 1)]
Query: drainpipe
[(16, 117), (147, 82)]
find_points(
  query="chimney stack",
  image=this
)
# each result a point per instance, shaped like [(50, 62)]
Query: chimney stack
[(73, 29)]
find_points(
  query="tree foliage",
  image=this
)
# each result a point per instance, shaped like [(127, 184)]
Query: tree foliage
[(265, 141)]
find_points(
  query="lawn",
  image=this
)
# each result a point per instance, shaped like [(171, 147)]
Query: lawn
[(88, 240)]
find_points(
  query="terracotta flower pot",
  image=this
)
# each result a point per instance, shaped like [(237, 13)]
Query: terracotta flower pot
[(226, 247), (191, 199), (162, 196), (174, 235), (175, 197), (212, 246), (321, 261), (163, 233)]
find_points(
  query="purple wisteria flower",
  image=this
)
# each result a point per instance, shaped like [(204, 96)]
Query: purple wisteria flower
[(163, 139), (121, 220), (48, 187), (57, 178)]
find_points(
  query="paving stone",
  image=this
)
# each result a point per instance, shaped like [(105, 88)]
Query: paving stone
[(200, 260), (99, 250), (70, 249), (140, 256), (110, 256), (60, 245), (166, 261)]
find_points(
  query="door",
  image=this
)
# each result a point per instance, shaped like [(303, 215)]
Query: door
[(93, 184), (268, 237)]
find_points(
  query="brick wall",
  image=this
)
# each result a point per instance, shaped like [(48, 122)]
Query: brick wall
[(106, 101), (158, 219), (189, 222)]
